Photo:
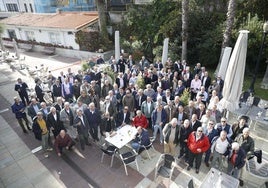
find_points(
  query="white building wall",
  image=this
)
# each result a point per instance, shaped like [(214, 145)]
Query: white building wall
[(27, 3), (20, 4), (2, 6), (43, 35)]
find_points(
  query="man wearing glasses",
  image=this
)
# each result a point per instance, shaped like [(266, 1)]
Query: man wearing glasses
[(197, 143), (223, 125)]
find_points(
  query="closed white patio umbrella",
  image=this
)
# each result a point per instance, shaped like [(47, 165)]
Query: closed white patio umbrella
[(234, 77)]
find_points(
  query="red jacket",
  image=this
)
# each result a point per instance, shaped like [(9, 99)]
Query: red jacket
[(140, 121), (202, 143)]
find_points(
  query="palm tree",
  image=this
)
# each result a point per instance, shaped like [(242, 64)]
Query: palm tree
[(102, 18), (229, 23), (184, 34)]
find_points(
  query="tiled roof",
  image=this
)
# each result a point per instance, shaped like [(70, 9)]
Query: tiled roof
[(63, 20)]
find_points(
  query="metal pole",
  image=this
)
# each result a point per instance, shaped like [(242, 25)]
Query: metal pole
[(251, 88)]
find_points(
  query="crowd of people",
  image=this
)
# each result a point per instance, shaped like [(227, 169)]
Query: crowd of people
[(92, 103)]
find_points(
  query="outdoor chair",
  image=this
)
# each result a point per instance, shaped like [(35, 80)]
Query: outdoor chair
[(146, 148), (256, 173), (109, 151), (165, 167), (129, 158)]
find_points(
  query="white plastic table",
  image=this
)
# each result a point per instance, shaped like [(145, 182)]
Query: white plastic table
[(218, 179), (122, 136)]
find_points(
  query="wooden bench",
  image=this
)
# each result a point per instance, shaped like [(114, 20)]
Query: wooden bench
[(26, 47), (49, 50)]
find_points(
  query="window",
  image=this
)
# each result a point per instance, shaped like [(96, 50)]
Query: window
[(12, 34), (54, 38), (25, 7), (31, 7), (12, 7), (30, 35)]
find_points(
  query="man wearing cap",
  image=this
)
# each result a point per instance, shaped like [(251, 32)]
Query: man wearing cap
[(237, 159)]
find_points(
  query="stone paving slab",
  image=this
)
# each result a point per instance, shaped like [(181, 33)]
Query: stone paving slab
[(18, 166), (109, 177)]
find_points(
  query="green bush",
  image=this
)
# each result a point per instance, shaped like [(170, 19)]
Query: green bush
[(185, 97)]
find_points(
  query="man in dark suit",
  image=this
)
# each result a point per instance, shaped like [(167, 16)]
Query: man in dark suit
[(56, 89), (121, 81), (33, 108), (53, 122), (158, 65), (114, 66), (180, 88), (190, 109), (180, 115), (139, 99), (195, 123), (82, 125), (206, 80), (167, 97), (39, 91), (201, 110), (44, 109), (121, 64), (21, 88), (123, 117), (59, 104), (93, 117)]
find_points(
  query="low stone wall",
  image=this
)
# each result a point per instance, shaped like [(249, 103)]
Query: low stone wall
[(76, 53)]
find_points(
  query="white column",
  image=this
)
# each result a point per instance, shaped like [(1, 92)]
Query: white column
[(117, 45), (165, 51)]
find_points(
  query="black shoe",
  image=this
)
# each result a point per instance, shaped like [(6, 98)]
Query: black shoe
[(83, 148), (25, 131), (88, 144), (207, 164), (189, 168), (29, 128), (241, 183), (197, 170)]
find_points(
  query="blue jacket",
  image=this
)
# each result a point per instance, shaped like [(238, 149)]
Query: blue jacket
[(16, 110), (143, 138), (163, 116), (93, 119)]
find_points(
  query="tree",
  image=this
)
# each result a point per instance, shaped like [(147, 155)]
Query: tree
[(229, 23), (102, 18), (184, 35), (1, 42)]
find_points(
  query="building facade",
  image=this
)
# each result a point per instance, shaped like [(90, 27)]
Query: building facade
[(57, 29)]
